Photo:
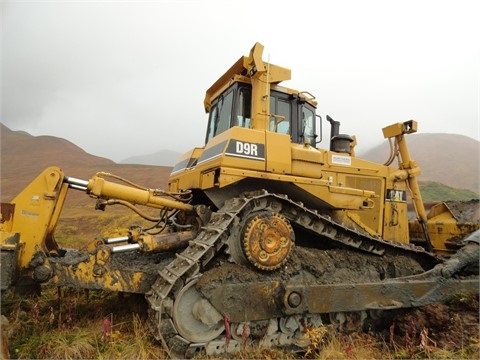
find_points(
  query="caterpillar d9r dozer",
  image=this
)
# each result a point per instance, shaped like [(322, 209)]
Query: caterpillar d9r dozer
[(261, 234)]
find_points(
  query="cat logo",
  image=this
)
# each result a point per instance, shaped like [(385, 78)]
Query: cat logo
[(246, 150), (396, 195)]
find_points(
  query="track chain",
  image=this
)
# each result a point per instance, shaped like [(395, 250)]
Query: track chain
[(213, 236)]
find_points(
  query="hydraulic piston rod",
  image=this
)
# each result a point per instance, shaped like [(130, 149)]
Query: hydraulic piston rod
[(100, 188)]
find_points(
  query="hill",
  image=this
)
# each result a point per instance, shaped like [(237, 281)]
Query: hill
[(24, 156), (449, 159), (159, 158)]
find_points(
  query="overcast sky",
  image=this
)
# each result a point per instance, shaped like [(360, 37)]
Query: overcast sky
[(125, 78)]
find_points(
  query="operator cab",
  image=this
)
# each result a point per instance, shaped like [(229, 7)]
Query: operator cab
[(290, 113)]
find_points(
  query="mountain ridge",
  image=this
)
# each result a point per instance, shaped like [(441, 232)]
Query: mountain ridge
[(23, 157), (163, 157), (449, 159)]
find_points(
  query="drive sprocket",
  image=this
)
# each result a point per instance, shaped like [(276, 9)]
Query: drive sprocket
[(267, 240)]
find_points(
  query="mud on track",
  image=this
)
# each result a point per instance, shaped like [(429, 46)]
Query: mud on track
[(316, 267)]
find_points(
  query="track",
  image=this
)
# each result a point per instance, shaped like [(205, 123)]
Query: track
[(186, 323)]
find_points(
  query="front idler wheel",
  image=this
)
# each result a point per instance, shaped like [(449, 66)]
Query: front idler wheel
[(195, 318)]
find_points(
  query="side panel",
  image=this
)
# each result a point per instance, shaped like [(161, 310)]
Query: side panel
[(187, 160), (395, 222), (238, 148), (245, 149), (307, 161), (370, 218), (279, 157)]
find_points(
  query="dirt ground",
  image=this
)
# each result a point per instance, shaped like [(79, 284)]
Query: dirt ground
[(465, 211)]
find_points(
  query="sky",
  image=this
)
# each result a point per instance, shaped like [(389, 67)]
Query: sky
[(128, 78)]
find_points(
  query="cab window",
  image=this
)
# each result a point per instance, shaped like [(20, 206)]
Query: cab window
[(244, 107), (280, 115), (220, 115), (307, 118)]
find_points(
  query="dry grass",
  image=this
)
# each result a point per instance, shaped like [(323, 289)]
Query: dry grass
[(74, 327), (102, 325)]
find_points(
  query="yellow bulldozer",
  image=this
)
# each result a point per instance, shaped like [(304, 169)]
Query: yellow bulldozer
[(261, 231)]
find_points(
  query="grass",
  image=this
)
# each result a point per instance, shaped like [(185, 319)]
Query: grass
[(78, 226), (103, 325), (100, 326), (434, 191)]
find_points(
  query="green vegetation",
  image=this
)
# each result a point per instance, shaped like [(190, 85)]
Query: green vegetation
[(433, 191)]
